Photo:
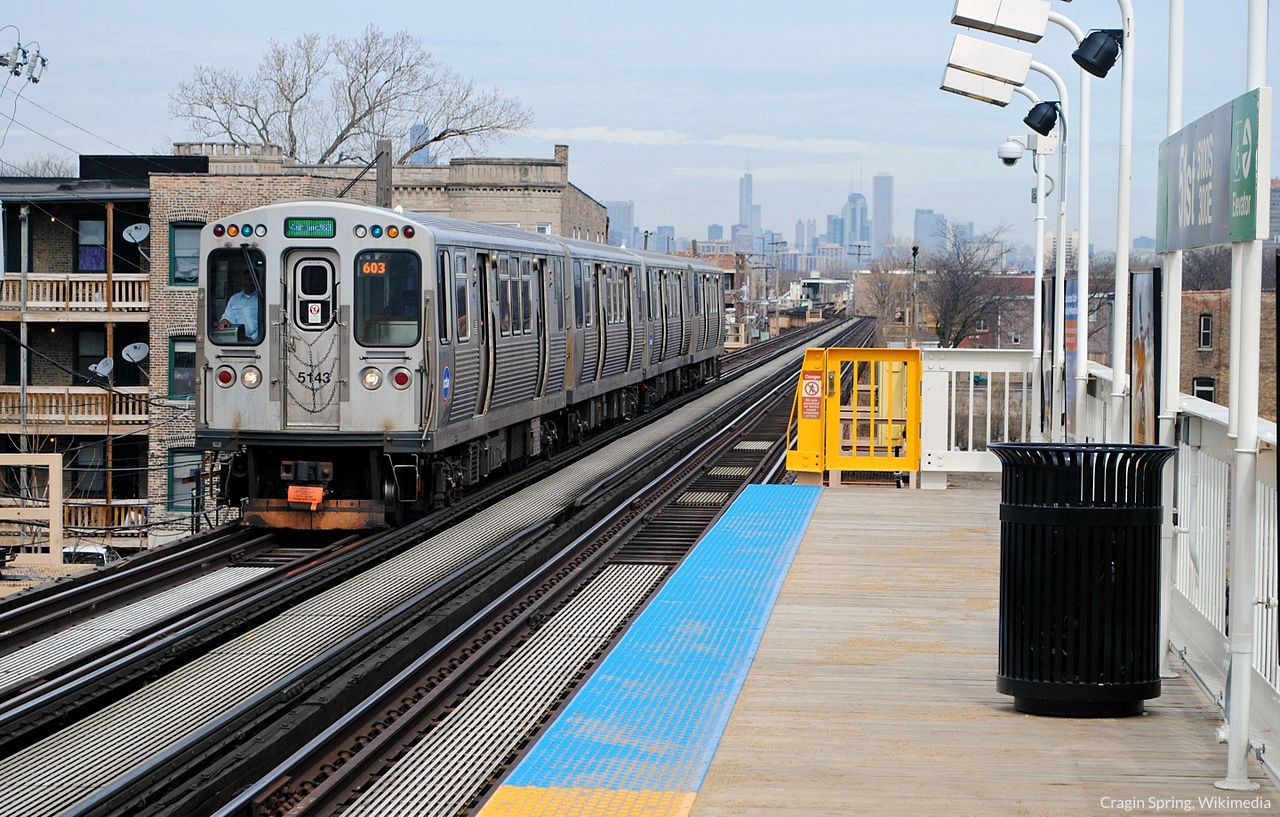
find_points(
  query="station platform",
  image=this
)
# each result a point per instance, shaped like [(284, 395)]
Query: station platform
[(867, 618)]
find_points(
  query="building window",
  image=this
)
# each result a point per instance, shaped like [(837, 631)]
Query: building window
[(184, 477), (1204, 388), (91, 249), (1206, 331), (182, 368), (91, 348), (1015, 339), (184, 253), (88, 478), (542, 229), (981, 325)]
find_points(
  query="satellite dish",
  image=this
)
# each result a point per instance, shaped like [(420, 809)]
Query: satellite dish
[(135, 352), (137, 233), (103, 367)]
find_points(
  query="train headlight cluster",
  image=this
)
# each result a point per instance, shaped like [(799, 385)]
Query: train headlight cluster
[(233, 230), (378, 231), (225, 376), (371, 378), (251, 377), (401, 378)]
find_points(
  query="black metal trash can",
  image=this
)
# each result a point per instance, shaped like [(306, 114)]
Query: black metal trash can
[(1080, 577)]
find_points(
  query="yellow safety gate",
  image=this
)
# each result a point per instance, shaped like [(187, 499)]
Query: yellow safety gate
[(856, 410)]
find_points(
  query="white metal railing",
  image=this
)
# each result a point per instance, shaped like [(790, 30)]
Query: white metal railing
[(972, 397), (1202, 562)]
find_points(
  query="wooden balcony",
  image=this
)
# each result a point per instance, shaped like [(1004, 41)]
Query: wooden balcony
[(76, 296), (73, 409), (93, 519)]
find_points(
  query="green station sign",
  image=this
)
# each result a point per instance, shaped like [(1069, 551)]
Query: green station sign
[(1211, 180)]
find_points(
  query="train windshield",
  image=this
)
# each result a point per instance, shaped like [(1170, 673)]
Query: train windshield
[(236, 310), (388, 298)]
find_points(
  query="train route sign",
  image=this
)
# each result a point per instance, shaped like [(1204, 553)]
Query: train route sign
[(811, 395), (1211, 177)]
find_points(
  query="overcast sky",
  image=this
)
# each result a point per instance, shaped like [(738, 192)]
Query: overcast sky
[(667, 103)]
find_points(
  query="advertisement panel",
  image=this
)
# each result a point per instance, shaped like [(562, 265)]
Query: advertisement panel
[(1144, 356), (1069, 341)]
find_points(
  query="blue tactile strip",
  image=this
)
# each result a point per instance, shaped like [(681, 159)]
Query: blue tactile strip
[(651, 716)]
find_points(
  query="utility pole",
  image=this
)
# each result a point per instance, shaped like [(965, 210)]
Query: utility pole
[(383, 190), (915, 339)]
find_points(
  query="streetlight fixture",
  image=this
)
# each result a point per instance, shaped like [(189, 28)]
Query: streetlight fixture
[(1042, 118), (1099, 51)]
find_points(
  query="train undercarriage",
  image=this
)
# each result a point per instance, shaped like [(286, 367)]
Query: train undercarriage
[(351, 482)]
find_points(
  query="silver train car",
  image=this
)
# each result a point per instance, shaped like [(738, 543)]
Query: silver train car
[(357, 365)]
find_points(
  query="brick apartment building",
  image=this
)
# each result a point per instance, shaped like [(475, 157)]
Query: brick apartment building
[(89, 293)]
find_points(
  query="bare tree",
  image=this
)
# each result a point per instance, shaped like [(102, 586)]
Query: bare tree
[(48, 165), (329, 101), (1208, 268), (885, 292), (960, 291)]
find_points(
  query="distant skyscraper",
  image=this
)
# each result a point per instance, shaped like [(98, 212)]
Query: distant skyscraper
[(744, 200), (715, 232), (963, 231), (741, 236), (835, 230), (810, 236), (663, 238), (799, 245), (930, 231), (757, 223), (417, 135), (857, 229), (622, 221), (881, 213)]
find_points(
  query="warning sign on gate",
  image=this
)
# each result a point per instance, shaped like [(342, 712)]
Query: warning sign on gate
[(313, 313), (811, 395)]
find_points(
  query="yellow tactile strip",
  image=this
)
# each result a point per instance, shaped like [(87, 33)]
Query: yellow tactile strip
[(538, 801)]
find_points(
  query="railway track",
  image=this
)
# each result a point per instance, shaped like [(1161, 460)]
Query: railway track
[(480, 696), (152, 788)]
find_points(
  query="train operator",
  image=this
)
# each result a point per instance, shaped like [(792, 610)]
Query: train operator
[(242, 309)]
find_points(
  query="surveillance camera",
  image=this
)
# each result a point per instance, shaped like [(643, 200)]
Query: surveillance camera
[(1010, 152)]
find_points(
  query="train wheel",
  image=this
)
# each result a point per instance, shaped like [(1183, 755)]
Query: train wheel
[(393, 508)]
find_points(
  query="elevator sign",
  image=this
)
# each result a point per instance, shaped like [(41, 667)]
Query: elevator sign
[(1211, 183)]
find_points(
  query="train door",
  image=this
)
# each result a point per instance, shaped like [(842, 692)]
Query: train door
[(542, 283), (708, 309), (628, 298), (682, 295), (596, 303), (312, 343), (484, 272)]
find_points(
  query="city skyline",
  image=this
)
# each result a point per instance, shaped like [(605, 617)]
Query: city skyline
[(649, 130)]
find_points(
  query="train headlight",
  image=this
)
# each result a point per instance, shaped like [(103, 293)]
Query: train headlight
[(371, 378), (225, 376), (361, 231), (251, 377), (260, 230), (401, 378)]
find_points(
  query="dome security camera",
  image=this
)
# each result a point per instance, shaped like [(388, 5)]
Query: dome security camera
[(1010, 152)]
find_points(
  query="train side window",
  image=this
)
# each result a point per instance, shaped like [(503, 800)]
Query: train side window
[(557, 290), (388, 298), (504, 298), (526, 301), (460, 301), (577, 294), (442, 295), (236, 309), (588, 287)]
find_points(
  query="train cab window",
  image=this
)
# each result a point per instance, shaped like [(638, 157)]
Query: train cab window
[(442, 295), (526, 302), (388, 298), (460, 301), (504, 298), (236, 310)]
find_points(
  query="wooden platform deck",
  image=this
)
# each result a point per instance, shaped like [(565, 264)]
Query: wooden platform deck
[(873, 692)]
